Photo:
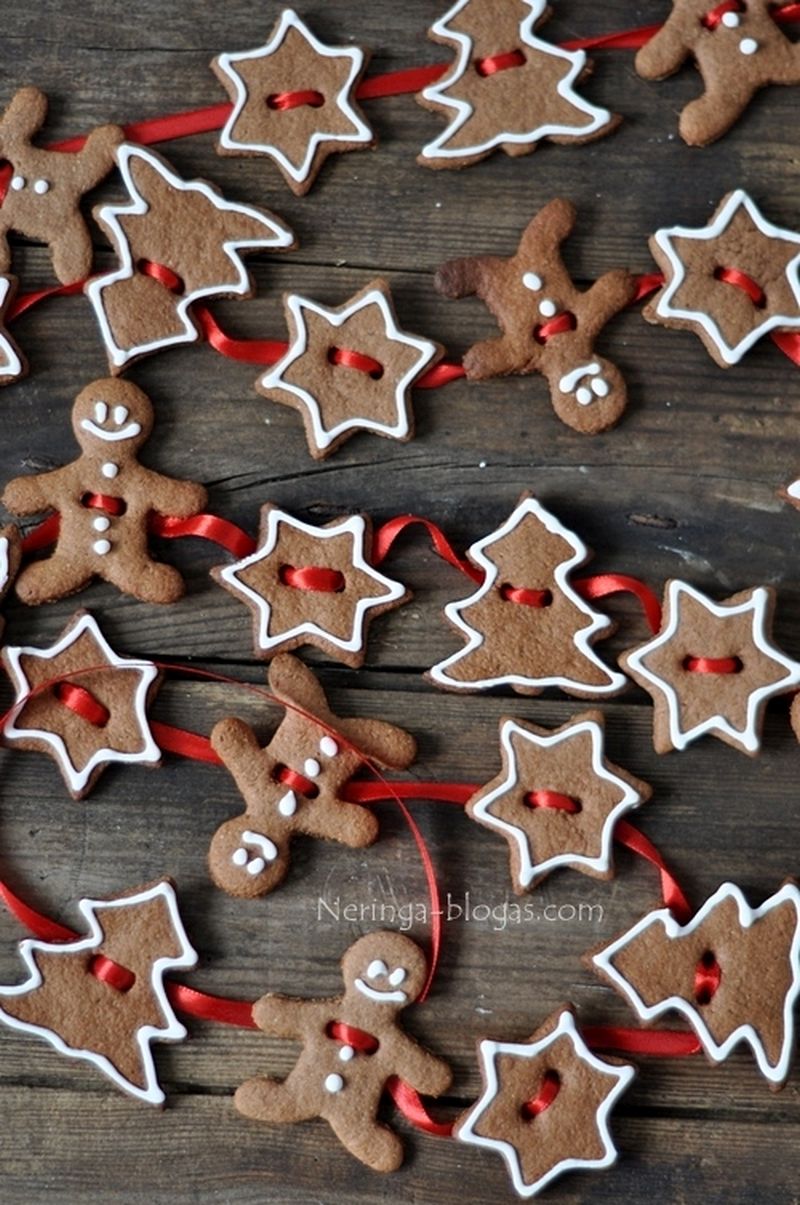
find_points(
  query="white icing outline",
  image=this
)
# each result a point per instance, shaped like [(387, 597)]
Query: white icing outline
[(5, 566), (436, 92), (173, 1031), (489, 1051), (664, 308), (108, 215), (356, 527), (77, 779), (793, 489), (379, 997), (744, 1033), (12, 367), (324, 437), (299, 173), (528, 506), (758, 602), (530, 870), (128, 432)]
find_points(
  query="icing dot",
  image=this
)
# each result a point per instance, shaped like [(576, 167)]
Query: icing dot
[(101, 523), (333, 1083), (311, 767), (41, 186), (17, 183), (584, 396), (100, 412), (328, 746), (288, 805), (256, 866), (101, 547), (600, 387), (346, 1053), (239, 857), (376, 967), (731, 20), (110, 469), (547, 308), (120, 414), (748, 46), (532, 281)]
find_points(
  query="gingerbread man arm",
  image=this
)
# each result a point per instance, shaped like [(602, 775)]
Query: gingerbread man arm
[(96, 157), (419, 1067), (236, 744), (285, 1017), (666, 52), (335, 820), (610, 294), (465, 277), (29, 495), (171, 496), (24, 115)]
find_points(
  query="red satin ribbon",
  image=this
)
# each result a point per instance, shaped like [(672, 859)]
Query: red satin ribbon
[(553, 800), (164, 275), (83, 703), (349, 1035), (673, 896), (408, 1101), (112, 506), (602, 584), (556, 326), (112, 973), (707, 978), (205, 527), (712, 665), (312, 577), (294, 100), (714, 18), (647, 284), (789, 343), (384, 538), (297, 782), (740, 280), (551, 1086), (184, 744), (26, 301), (661, 1043), (354, 359), (249, 351), (526, 598), (440, 792), (441, 374), (500, 62)]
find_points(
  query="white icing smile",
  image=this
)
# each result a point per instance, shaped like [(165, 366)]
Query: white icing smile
[(378, 969), (585, 394), (128, 432), (254, 865)]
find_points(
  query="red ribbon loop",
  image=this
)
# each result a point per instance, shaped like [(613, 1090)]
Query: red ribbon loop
[(83, 703), (673, 896), (713, 665), (205, 527), (294, 100), (355, 359), (553, 800), (551, 1086), (562, 322), (500, 62), (385, 536), (408, 1101), (526, 598), (297, 782), (312, 577), (164, 275), (118, 977), (349, 1035), (707, 978), (185, 744), (602, 584), (714, 18), (112, 506), (740, 280)]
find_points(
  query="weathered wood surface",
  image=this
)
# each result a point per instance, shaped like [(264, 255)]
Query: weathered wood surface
[(685, 486)]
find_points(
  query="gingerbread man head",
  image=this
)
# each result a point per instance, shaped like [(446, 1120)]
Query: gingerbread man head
[(297, 783), (112, 415), (383, 973)]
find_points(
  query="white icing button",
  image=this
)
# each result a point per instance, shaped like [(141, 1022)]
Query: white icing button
[(328, 746), (547, 308), (239, 856), (584, 396), (101, 523), (333, 1083), (256, 866), (311, 767), (41, 186), (532, 281), (748, 46), (100, 412), (731, 20), (346, 1053), (120, 414), (101, 547), (110, 469), (288, 805), (17, 183), (600, 387)]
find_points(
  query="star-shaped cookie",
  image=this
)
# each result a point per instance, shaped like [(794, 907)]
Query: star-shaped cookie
[(731, 282), (545, 1105), (10, 558), (557, 799), (12, 361), (711, 668), (349, 368), (507, 88), (185, 227), (312, 585), (294, 100), (733, 971), (90, 720)]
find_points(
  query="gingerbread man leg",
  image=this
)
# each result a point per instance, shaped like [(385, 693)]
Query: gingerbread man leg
[(71, 250), (375, 1145), (149, 581), (490, 358), (53, 578), (712, 114), (5, 250), (265, 1099)]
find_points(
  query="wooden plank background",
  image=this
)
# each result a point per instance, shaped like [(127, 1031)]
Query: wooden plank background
[(685, 486)]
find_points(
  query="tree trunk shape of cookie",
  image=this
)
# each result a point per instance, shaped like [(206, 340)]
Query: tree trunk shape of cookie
[(737, 52), (343, 1083), (104, 499), (548, 325), (107, 1015), (44, 195), (295, 784)]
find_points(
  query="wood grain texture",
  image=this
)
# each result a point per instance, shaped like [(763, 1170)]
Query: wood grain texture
[(685, 486)]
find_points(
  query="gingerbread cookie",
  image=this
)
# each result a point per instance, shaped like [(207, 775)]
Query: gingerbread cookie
[(101, 998), (545, 1104), (352, 1045), (43, 201), (296, 784), (178, 241), (733, 972), (349, 368), (712, 668), (89, 719), (731, 282), (104, 499), (13, 365), (738, 49), (312, 585), (557, 799), (549, 326), (507, 88), (10, 558), (526, 626), (293, 100)]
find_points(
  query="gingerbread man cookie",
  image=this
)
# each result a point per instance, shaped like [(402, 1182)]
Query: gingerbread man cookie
[(738, 49), (549, 326), (296, 785), (732, 971), (352, 1045), (104, 499), (44, 196), (507, 89)]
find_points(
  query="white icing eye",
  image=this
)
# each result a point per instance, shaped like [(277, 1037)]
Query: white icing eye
[(288, 805), (110, 469), (377, 969), (101, 523), (120, 414), (256, 866), (397, 976), (101, 547), (731, 20), (584, 396), (600, 387), (547, 308), (100, 412), (239, 857), (17, 183), (334, 1083), (311, 767), (41, 186), (532, 281), (748, 46), (328, 746)]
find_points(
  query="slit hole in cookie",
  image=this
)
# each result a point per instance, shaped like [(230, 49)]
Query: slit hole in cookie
[(707, 977), (740, 280), (524, 597), (83, 703), (554, 800), (713, 665), (559, 325), (355, 359), (116, 976), (713, 19), (295, 782), (357, 1039), (312, 577), (500, 62), (112, 506), (549, 1090), (295, 100), (164, 275)]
